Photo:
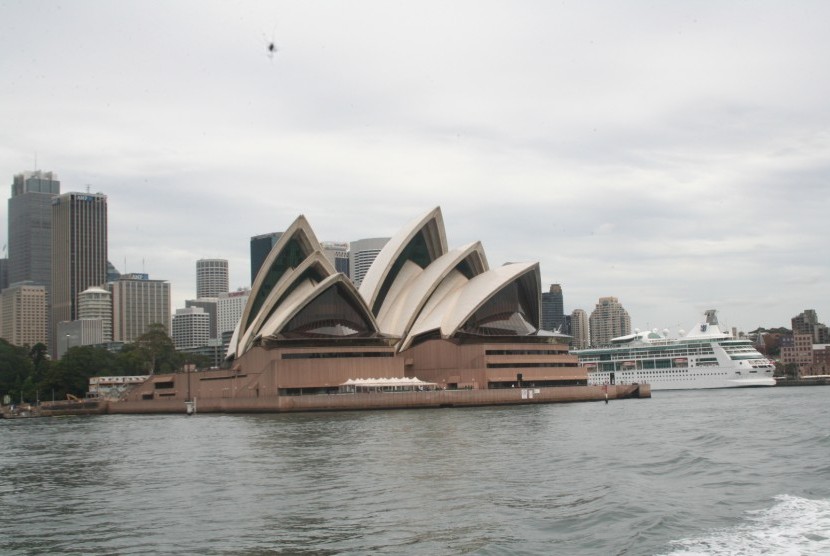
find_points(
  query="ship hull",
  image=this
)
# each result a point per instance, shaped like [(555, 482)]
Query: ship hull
[(684, 379)]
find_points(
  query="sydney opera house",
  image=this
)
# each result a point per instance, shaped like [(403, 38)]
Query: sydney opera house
[(423, 311)]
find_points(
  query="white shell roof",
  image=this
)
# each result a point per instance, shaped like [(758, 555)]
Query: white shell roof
[(232, 345), (305, 293), (480, 289), (443, 300), (377, 273), (438, 297), (399, 312), (461, 298), (316, 260), (299, 229)]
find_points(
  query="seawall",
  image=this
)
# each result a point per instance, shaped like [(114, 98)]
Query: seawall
[(383, 400)]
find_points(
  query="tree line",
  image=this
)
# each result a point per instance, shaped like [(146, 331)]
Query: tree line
[(27, 374)]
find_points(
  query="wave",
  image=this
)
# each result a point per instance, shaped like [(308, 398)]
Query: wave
[(792, 526)]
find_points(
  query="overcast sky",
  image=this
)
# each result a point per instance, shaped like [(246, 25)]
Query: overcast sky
[(675, 155)]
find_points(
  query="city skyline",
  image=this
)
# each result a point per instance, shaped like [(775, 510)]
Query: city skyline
[(673, 157)]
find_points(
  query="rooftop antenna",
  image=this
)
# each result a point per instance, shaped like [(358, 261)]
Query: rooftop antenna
[(87, 188)]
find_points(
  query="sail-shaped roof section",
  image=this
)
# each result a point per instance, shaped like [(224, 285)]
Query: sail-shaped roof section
[(400, 309), (232, 346), (420, 242), (292, 248), (501, 301), (511, 309), (312, 270), (416, 289), (331, 308)]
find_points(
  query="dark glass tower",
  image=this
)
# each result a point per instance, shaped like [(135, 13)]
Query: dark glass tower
[(553, 310), (79, 252), (260, 247), (30, 227)]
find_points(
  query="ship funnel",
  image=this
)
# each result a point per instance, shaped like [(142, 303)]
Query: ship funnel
[(711, 317)]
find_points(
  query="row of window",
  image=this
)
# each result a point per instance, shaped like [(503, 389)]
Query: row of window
[(337, 355), (528, 365), (650, 353), (524, 352)]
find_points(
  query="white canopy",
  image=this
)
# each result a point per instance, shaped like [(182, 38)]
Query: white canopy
[(382, 382)]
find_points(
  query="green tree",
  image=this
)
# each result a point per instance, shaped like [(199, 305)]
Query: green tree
[(131, 361), (157, 350), (15, 370), (39, 354), (71, 374)]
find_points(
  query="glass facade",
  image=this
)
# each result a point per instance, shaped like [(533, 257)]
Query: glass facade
[(290, 257), (504, 314), (330, 314)]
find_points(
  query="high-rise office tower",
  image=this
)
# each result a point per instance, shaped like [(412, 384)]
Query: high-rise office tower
[(96, 303), (82, 332), (553, 309), (79, 253), (30, 227), (211, 277), (112, 272), (337, 252), (4, 274), (362, 254), (260, 247), (229, 309), (23, 310), (580, 330), (138, 302), (208, 305), (191, 328), (608, 320)]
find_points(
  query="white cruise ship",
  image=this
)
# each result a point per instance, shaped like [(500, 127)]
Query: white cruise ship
[(706, 357)]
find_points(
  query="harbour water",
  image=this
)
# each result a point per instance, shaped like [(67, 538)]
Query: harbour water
[(686, 472)]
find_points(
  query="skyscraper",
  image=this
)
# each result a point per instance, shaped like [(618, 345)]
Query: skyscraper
[(82, 332), (79, 253), (211, 277), (191, 328), (96, 303), (23, 310), (337, 252), (553, 309), (30, 227), (580, 330), (260, 247), (138, 302), (362, 254), (4, 274), (208, 305), (608, 320), (229, 309)]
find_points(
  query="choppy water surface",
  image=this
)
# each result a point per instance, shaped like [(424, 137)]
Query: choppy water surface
[(695, 472)]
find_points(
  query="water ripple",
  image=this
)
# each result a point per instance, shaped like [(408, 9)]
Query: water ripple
[(681, 472)]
